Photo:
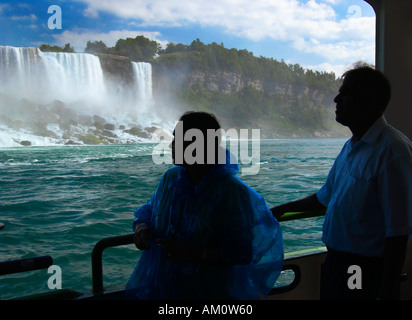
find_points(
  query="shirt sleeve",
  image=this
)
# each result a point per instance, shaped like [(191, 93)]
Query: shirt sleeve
[(325, 192), (394, 193)]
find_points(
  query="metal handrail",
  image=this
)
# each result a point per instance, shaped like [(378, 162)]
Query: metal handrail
[(293, 284), (23, 265), (97, 254), (301, 215)]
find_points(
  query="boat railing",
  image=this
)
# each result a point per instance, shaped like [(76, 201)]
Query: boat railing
[(24, 265), (101, 245), (43, 262), (97, 261)]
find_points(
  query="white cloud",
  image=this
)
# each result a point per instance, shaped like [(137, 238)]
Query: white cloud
[(78, 39), (334, 2), (30, 17), (91, 13), (337, 51), (255, 20), (338, 69), (312, 27)]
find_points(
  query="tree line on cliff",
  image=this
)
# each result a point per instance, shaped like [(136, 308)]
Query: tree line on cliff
[(304, 106)]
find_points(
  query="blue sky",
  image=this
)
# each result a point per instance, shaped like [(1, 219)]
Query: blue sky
[(325, 35)]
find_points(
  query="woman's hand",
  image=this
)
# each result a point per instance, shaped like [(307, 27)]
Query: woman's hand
[(142, 236)]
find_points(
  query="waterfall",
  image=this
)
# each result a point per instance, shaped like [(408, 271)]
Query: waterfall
[(38, 87), (46, 76), (41, 76), (20, 71), (143, 80), (74, 76)]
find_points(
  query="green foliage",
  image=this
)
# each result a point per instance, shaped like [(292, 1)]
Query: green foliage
[(137, 49), (96, 47), (48, 48), (215, 57), (68, 48)]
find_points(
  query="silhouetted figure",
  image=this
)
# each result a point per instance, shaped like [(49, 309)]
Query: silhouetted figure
[(368, 195), (204, 234)]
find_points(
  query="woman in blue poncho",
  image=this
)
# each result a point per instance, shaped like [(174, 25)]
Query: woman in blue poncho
[(204, 234)]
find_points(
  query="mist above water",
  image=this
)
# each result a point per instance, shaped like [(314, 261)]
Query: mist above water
[(65, 98)]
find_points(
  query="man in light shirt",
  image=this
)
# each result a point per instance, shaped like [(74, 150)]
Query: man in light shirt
[(368, 194)]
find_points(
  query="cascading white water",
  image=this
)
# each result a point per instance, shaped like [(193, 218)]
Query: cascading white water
[(21, 71), (41, 76), (143, 79), (46, 76), (76, 76), (76, 80)]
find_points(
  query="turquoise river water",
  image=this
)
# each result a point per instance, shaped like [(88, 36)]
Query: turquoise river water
[(61, 200)]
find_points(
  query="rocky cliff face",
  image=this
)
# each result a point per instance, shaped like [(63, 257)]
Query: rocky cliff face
[(117, 68), (226, 82), (229, 83), (279, 108)]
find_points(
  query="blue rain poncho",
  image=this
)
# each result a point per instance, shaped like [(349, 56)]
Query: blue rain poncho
[(222, 214)]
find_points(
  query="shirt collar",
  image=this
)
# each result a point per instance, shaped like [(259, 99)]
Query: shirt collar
[(375, 130)]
